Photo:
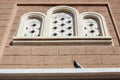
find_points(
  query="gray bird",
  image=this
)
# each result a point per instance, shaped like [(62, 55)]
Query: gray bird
[(77, 65)]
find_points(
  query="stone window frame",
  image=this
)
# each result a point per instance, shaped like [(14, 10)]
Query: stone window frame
[(78, 39), (101, 20), (69, 9), (26, 17)]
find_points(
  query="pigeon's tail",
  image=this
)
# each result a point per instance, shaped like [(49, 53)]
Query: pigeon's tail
[(77, 65)]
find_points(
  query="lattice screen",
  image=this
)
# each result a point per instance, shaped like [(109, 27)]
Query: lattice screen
[(92, 27), (62, 24), (32, 28)]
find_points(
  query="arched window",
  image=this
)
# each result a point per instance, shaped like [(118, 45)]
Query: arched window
[(31, 25), (93, 25), (62, 21), (63, 25)]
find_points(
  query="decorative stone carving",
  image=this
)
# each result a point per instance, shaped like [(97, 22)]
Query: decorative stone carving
[(93, 24), (62, 24), (31, 25), (91, 27), (32, 28)]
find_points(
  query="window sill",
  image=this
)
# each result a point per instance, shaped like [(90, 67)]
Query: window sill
[(62, 41)]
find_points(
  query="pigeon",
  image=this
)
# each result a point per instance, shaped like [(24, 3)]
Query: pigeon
[(77, 65)]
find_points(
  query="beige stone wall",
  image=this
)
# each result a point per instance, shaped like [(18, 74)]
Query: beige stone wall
[(57, 56)]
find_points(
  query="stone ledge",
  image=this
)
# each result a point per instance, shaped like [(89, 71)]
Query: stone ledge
[(68, 73), (61, 41)]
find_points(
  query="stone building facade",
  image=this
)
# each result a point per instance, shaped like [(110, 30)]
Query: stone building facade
[(55, 55)]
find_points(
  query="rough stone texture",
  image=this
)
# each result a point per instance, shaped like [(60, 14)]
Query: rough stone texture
[(62, 56)]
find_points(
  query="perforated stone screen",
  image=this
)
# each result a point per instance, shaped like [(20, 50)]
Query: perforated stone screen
[(62, 24), (32, 28), (92, 27)]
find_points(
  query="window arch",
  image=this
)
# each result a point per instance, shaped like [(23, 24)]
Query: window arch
[(93, 25), (62, 21), (31, 25)]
